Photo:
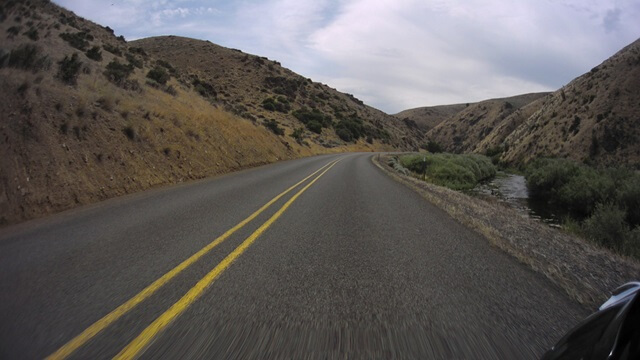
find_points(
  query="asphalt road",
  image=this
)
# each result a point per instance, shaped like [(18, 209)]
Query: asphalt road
[(348, 264)]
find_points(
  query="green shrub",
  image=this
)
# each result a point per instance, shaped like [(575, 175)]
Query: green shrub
[(167, 66), (458, 172), (14, 30), (607, 199), (138, 50), (118, 73), (297, 134), (579, 188), (270, 106), (284, 86), (32, 34), (583, 190), (203, 88), (26, 57), (159, 75), (68, 69), (433, 147), (170, 90), (350, 129), (129, 132), (453, 176), (280, 104), (77, 40), (306, 115), (545, 177), (94, 53), (273, 126), (314, 126), (112, 49), (344, 134), (631, 245), (607, 226), (133, 60), (628, 195), (495, 153)]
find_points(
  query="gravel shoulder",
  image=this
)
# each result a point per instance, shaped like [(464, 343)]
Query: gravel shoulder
[(585, 272)]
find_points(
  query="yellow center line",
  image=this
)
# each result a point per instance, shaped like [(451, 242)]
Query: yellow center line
[(146, 336), (104, 322)]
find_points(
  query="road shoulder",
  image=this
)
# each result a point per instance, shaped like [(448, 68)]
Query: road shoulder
[(586, 273)]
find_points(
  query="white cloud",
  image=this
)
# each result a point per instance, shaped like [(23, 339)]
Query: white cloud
[(408, 53), (395, 54)]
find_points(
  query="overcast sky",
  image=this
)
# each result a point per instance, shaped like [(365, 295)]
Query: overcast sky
[(397, 54)]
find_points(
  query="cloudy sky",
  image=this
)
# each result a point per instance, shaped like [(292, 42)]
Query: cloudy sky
[(397, 54)]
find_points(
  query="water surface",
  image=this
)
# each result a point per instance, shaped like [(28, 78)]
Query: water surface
[(512, 190)]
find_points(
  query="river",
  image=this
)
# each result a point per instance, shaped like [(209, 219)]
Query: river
[(512, 190)]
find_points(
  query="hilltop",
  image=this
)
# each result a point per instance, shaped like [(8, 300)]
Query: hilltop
[(87, 115), (465, 130), (592, 119), (429, 117), (260, 89)]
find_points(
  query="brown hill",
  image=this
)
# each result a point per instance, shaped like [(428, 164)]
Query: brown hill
[(87, 116), (494, 141), (591, 119), (594, 118), (430, 116), (246, 84), (464, 131)]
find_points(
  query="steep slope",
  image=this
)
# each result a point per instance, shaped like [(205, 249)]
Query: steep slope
[(87, 116), (494, 141), (466, 129), (430, 116), (261, 90), (594, 118)]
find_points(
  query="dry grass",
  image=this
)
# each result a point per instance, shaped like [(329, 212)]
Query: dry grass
[(586, 273), (241, 83), (64, 145), (593, 118), (466, 129), (429, 117)]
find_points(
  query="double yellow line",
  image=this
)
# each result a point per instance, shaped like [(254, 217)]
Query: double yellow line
[(139, 343)]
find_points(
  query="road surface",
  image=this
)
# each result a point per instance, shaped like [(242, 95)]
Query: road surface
[(321, 257)]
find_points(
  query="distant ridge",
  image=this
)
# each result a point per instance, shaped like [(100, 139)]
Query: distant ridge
[(592, 119)]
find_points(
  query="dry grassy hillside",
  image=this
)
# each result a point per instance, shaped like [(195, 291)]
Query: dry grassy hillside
[(430, 116), (466, 129), (494, 142), (262, 91), (87, 116), (594, 118)]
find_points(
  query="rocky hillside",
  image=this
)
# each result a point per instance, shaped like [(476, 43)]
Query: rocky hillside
[(594, 118), (465, 130), (261, 90), (493, 143), (429, 117), (87, 116)]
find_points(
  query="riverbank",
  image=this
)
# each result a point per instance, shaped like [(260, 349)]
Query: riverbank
[(511, 190), (586, 273)]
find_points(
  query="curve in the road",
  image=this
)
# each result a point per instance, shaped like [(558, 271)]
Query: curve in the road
[(136, 346)]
